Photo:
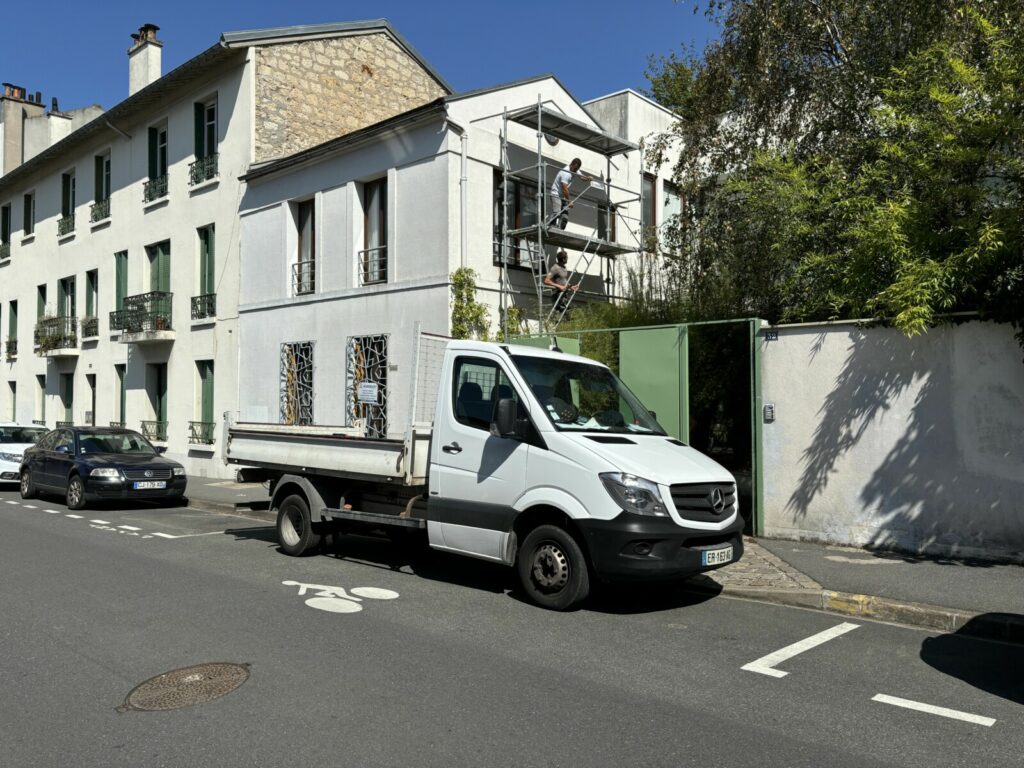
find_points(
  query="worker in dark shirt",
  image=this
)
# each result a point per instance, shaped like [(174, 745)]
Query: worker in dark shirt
[(557, 279)]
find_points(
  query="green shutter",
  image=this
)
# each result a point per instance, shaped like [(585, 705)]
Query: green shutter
[(200, 113), (65, 195), (161, 392), (120, 370), (120, 278), (206, 260), (67, 395), (90, 293), (160, 267), (12, 321), (98, 178), (153, 139), (62, 298), (40, 301), (206, 376)]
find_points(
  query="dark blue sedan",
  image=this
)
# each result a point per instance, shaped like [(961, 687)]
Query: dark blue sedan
[(93, 463)]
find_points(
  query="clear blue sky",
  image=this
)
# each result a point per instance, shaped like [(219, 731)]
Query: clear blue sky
[(76, 51)]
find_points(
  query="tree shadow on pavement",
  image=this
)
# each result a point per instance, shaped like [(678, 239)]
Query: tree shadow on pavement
[(992, 666)]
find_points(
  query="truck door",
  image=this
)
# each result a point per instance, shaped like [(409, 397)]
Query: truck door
[(476, 477)]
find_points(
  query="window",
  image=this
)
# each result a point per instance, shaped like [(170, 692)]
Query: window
[(304, 270), (90, 415), (374, 257), (101, 179), (207, 277), (201, 431), (671, 210), (648, 214), (12, 324), (29, 213), (119, 375), (13, 411), (120, 278), (92, 299), (521, 199), (159, 266), (156, 187), (156, 389), (67, 395), (477, 386), (5, 231), (66, 297), (40, 399), (205, 165), (366, 383), (297, 382), (40, 301), (66, 223)]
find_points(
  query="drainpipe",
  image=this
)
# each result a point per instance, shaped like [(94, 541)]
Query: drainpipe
[(463, 200)]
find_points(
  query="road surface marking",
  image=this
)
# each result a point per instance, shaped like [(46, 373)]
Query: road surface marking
[(765, 665), (129, 527), (931, 709), (13, 502), (99, 522), (859, 560), (29, 506), (186, 535), (75, 517), (53, 511)]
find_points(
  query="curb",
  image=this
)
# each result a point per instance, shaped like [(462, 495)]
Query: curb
[(991, 626)]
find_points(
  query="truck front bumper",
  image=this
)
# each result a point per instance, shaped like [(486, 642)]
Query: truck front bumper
[(638, 547)]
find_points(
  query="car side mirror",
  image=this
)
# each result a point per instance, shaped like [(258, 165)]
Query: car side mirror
[(504, 424), (161, 448)]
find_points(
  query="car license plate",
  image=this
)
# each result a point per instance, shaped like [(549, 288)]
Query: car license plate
[(146, 485), (716, 556)]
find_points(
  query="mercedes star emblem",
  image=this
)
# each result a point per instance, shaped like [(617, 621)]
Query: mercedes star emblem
[(717, 502)]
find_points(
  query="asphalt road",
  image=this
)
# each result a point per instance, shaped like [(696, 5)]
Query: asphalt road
[(452, 669)]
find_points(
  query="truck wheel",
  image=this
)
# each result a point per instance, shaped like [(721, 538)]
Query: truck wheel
[(295, 531), (552, 569)]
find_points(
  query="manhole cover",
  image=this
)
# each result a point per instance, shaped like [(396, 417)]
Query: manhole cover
[(186, 687)]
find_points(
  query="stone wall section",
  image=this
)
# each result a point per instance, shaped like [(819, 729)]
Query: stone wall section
[(312, 91)]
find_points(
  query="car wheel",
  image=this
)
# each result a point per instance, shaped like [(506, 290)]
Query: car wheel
[(552, 569), (76, 493), (28, 490), (295, 532)]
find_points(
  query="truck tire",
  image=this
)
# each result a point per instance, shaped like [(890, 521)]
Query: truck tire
[(295, 531), (552, 569)]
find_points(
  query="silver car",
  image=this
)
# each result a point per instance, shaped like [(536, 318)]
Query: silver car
[(14, 439)]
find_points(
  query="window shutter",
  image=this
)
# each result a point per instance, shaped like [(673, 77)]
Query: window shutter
[(206, 373), (153, 139), (200, 113), (12, 325), (65, 195), (98, 179), (207, 276), (120, 279), (62, 298)]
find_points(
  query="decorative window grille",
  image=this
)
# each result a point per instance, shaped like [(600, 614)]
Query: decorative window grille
[(366, 363), (297, 382)]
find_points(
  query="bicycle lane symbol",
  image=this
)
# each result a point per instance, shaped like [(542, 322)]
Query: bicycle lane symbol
[(336, 599)]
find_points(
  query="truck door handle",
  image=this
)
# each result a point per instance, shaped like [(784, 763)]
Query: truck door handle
[(452, 448)]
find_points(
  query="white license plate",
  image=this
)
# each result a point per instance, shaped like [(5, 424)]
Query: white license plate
[(146, 485), (716, 556)]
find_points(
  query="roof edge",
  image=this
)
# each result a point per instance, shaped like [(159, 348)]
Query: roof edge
[(636, 93)]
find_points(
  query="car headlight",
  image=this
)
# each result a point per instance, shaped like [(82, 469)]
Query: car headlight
[(105, 472), (179, 471), (634, 494), (12, 457)]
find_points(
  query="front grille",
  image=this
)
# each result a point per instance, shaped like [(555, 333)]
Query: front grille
[(694, 501), (164, 473)]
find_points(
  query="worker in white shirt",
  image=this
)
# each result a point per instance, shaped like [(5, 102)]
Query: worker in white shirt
[(561, 197)]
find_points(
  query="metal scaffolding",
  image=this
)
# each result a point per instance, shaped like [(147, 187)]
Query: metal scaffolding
[(601, 242)]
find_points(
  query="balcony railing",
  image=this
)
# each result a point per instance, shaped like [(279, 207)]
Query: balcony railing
[(143, 312), (56, 333), (303, 277), (66, 225), (154, 430), (11, 348), (90, 327), (154, 189), (118, 424), (5, 251), (202, 170), (61, 424), (374, 265), (204, 306), (99, 210), (201, 432)]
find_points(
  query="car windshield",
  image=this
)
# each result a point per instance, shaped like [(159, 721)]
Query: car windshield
[(584, 397), (14, 435), (114, 442)]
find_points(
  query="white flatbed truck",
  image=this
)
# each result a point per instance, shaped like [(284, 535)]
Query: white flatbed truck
[(533, 458)]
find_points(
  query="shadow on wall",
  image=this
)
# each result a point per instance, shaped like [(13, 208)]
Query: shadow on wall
[(935, 475)]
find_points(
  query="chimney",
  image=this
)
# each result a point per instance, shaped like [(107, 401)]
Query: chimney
[(144, 58)]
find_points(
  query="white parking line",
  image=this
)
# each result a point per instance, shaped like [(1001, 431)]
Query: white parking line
[(99, 522), (765, 664), (13, 502), (187, 535), (53, 511), (931, 709), (129, 527), (74, 517), (29, 506)]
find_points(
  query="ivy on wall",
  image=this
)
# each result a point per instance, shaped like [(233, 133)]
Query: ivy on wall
[(469, 317)]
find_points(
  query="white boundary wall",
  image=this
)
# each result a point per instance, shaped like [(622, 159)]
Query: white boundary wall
[(879, 440)]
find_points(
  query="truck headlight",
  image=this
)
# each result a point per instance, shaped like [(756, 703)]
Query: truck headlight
[(179, 471), (14, 458), (634, 494), (105, 472)]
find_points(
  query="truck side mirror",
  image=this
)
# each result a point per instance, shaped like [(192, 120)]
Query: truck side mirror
[(504, 424)]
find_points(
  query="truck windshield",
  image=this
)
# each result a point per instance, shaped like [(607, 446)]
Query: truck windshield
[(583, 397)]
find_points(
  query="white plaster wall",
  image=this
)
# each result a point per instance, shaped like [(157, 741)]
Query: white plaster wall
[(884, 441)]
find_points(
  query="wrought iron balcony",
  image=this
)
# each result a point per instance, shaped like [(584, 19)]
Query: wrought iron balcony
[(5, 251), (119, 424), (66, 225), (12, 348), (204, 306), (99, 210), (65, 424), (202, 170), (375, 265), (56, 333), (303, 277), (143, 312), (201, 432), (90, 327), (154, 189), (154, 430)]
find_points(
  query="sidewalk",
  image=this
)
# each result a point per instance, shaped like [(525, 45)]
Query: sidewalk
[(984, 599)]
